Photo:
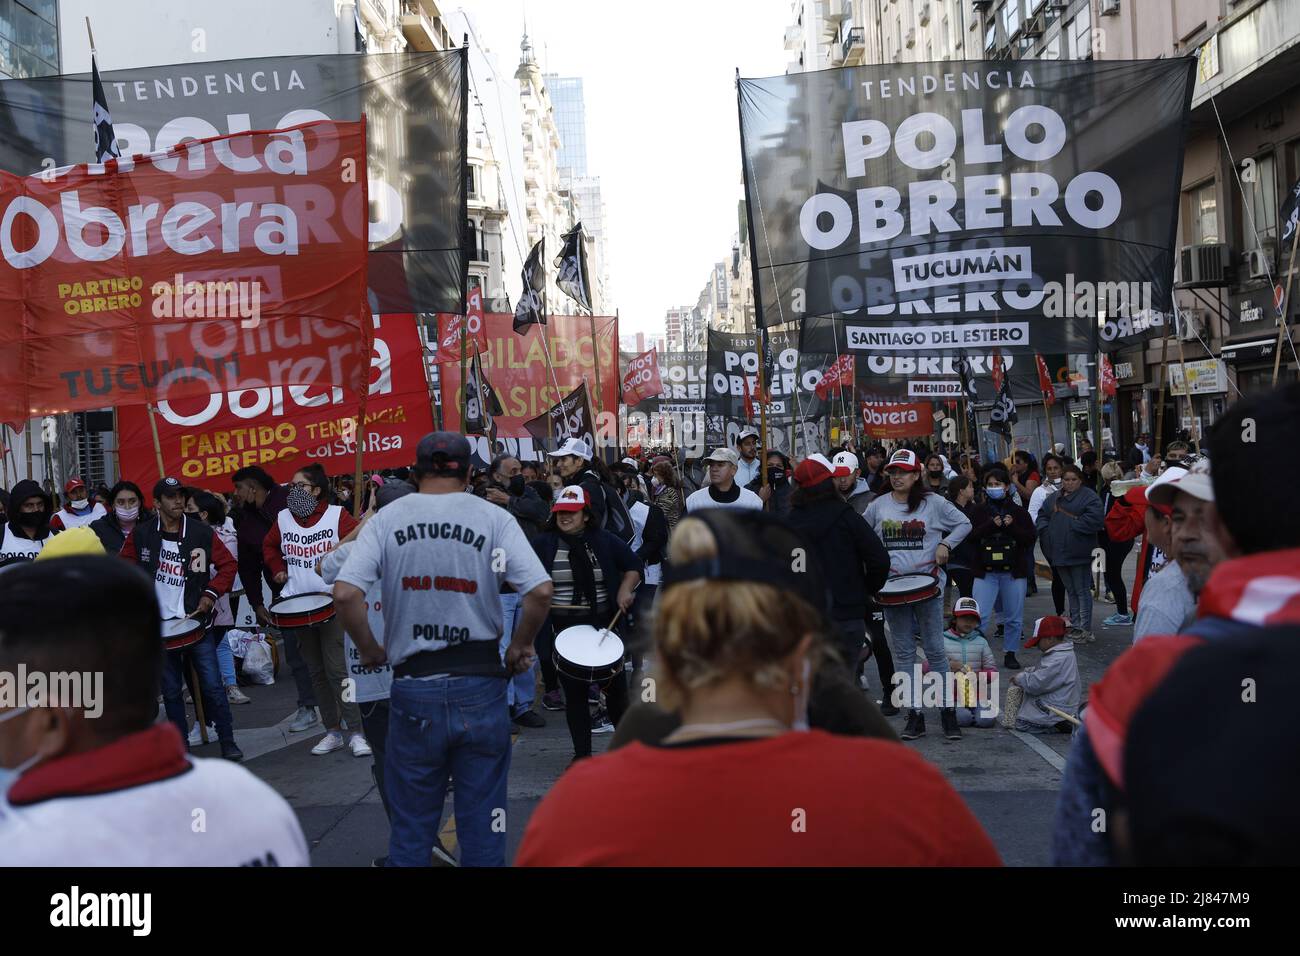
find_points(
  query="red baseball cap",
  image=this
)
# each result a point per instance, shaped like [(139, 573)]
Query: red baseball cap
[(813, 470), (1050, 626), (73, 484), (904, 460)]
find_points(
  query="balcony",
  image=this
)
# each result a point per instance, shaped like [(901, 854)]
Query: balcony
[(854, 46), (421, 31)]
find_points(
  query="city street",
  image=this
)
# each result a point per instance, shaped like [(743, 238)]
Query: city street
[(1008, 779)]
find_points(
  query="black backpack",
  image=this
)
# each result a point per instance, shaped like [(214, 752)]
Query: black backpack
[(1000, 551)]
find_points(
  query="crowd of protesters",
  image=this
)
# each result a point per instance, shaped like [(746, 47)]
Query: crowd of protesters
[(760, 588)]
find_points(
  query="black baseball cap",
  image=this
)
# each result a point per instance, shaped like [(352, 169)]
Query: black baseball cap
[(443, 452), (168, 486)]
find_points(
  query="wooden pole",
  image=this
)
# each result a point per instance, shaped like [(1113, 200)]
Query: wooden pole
[(762, 413), (1160, 395), (1047, 413), (464, 400), (28, 435), (90, 36), (595, 361), (1281, 319), (157, 445)]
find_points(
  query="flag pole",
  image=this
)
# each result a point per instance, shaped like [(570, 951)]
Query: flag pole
[(1187, 390), (157, 445), (28, 436), (1047, 413), (1160, 394), (90, 36), (464, 401)]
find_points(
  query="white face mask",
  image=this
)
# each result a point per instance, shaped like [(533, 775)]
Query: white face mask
[(127, 514), (81, 505)]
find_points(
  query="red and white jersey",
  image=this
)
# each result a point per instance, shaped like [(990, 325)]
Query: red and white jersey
[(65, 519), (302, 547), (89, 810)]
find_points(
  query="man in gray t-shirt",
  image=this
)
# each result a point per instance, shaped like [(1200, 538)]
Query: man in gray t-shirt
[(440, 558)]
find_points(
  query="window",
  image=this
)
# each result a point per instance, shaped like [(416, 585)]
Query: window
[(1051, 49), (1011, 18), (471, 181), (471, 240), (1262, 196), (1080, 31), (1205, 214), (990, 35)]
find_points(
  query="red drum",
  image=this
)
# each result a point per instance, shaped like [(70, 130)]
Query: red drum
[(908, 589), (302, 610), (182, 632)]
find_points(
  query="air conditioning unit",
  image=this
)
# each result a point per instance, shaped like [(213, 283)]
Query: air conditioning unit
[(981, 4), (1205, 265), (911, 37), (1059, 4), (924, 15), (1109, 7), (1034, 27), (1260, 261), (1191, 325)]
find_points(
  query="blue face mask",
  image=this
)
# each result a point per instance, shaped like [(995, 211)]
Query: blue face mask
[(996, 494)]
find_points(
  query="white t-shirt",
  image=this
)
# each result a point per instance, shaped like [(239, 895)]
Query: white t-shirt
[(640, 512), (372, 683), (215, 814), (169, 580), (699, 500), (301, 547)]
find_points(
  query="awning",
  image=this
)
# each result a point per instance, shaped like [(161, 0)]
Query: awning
[(1252, 350)]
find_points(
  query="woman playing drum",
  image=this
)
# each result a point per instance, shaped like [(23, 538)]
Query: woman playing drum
[(920, 530), (595, 575)]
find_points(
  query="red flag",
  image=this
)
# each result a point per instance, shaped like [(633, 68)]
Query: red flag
[(1108, 384), (838, 375), (449, 329), (998, 370), (749, 402), (641, 381), (1045, 381)]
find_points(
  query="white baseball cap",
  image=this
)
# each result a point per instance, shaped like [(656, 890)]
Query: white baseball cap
[(1195, 481), (905, 459), (845, 459), (725, 455), (572, 446), (966, 607), (746, 433)]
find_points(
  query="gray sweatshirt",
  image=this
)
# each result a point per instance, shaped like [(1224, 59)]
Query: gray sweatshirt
[(912, 537)]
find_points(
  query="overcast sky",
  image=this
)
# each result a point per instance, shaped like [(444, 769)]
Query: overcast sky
[(662, 134)]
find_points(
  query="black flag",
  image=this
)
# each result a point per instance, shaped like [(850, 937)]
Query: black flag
[(481, 402), (105, 139), (1003, 413), (571, 264), (967, 378), (531, 309), (1289, 217)]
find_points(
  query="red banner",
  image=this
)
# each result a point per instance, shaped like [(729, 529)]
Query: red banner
[(1108, 385), (999, 370), (897, 419), (641, 380), (186, 272), (516, 367), (1045, 381), (282, 429), (449, 329), (839, 375)]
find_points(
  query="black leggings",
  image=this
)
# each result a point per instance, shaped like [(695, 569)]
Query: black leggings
[(880, 646), (577, 710), (1116, 553), (965, 581), (1058, 591)]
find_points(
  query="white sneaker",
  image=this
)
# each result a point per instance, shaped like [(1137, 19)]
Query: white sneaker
[(359, 746), (196, 735), (236, 696), (304, 718), (331, 742)]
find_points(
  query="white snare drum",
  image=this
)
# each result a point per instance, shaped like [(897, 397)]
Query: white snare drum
[(181, 632), (908, 589), (302, 610), (588, 654)]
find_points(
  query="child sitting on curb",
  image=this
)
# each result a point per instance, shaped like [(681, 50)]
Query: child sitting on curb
[(969, 653), (1048, 686)]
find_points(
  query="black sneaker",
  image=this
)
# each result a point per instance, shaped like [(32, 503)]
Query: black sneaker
[(915, 726), (1010, 662), (1064, 727), (948, 717), (530, 718), (888, 709), (230, 751), (998, 632)]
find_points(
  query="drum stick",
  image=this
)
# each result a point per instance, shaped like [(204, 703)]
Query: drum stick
[(1064, 716), (605, 634)]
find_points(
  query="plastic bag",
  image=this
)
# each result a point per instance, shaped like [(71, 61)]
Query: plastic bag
[(259, 665)]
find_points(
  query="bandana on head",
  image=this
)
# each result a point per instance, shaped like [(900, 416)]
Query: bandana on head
[(301, 502)]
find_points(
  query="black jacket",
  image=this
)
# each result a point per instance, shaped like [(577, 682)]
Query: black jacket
[(21, 492), (1021, 530), (110, 532), (853, 560), (144, 546), (654, 536)]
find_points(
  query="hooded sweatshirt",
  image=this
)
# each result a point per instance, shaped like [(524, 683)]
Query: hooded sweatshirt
[(1242, 596), (861, 496), (14, 542)]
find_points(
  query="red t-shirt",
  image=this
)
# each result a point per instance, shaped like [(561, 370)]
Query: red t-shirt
[(798, 799)]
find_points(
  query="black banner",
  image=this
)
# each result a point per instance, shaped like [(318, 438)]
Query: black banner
[(414, 105), (568, 418), (935, 208), (732, 379)]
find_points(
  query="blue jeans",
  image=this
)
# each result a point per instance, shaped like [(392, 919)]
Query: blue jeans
[(1078, 587), (458, 726), (522, 688), (216, 708), (1010, 590), (903, 620), (225, 656)]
